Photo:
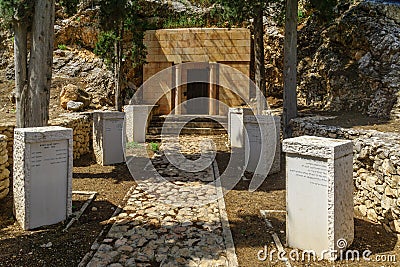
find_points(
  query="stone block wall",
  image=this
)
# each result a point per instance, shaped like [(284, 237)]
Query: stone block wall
[(4, 172), (376, 169), (82, 125)]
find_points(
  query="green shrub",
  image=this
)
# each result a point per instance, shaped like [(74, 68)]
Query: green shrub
[(154, 146), (62, 47)]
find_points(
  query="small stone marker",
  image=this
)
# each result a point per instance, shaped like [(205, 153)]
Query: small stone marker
[(319, 196), (42, 175), (108, 137), (137, 117), (264, 144), (236, 126)]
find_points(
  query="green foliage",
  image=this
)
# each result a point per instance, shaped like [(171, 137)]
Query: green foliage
[(184, 20), (324, 9), (116, 17), (71, 6), (62, 47), (105, 46), (154, 146), (236, 12), (131, 145), (16, 10)]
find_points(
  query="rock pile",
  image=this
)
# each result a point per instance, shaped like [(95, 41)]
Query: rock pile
[(91, 72), (73, 93)]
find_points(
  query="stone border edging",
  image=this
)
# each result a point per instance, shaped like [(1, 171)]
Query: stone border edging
[(95, 245), (226, 231)]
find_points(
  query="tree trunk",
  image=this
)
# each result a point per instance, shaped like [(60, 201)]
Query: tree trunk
[(40, 64), (261, 93), (290, 67), (21, 82), (118, 68)]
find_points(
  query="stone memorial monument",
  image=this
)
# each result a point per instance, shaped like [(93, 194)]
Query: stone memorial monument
[(42, 175), (108, 137), (319, 196), (236, 126), (263, 144), (137, 118)]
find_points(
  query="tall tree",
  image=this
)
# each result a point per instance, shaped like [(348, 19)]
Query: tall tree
[(33, 24), (239, 11), (290, 67), (116, 18)]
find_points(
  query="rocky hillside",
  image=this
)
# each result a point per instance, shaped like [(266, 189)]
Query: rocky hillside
[(352, 63)]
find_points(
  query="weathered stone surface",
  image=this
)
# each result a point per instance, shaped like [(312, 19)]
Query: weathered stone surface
[(4, 172), (42, 154), (343, 67), (75, 106), (108, 137), (72, 92), (322, 166)]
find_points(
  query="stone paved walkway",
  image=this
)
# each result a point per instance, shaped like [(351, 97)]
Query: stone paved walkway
[(174, 220)]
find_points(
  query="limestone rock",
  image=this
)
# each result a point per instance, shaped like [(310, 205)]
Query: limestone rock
[(75, 106), (72, 92)]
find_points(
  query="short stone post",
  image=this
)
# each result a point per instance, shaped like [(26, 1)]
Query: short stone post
[(108, 137), (137, 117), (319, 196), (42, 175)]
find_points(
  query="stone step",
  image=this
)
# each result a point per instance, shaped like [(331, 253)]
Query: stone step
[(194, 118), (191, 124), (194, 131)]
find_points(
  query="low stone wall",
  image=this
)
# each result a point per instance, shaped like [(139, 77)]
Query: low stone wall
[(376, 169), (82, 125), (4, 172)]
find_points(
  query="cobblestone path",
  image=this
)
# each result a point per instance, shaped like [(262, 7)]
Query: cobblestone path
[(173, 220)]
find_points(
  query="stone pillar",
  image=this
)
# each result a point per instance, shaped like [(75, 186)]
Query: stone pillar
[(136, 120), (213, 90), (319, 196), (178, 89), (42, 175), (108, 137), (4, 172), (263, 145)]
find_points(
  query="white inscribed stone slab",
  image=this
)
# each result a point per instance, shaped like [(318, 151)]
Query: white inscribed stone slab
[(236, 126), (319, 195), (262, 147), (42, 175), (108, 137), (137, 117)]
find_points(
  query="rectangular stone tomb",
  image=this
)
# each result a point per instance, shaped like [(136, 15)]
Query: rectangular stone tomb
[(236, 126), (263, 146), (137, 117), (319, 196), (108, 137), (42, 175)]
